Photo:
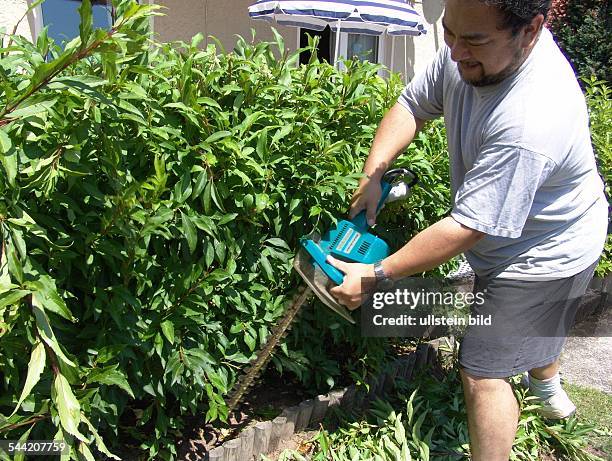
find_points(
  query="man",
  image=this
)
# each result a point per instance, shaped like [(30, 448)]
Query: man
[(528, 205)]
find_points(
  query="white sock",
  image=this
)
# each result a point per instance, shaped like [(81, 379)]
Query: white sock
[(545, 388)]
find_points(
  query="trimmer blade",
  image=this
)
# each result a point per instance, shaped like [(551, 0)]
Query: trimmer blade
[(318, 282)]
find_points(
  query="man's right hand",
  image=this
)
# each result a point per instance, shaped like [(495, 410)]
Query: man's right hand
[(366, 197)]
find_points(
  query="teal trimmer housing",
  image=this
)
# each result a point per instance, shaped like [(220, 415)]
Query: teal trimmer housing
[(350, 241)]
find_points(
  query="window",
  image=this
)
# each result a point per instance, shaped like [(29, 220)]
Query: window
[(62, 17), (363, 47)]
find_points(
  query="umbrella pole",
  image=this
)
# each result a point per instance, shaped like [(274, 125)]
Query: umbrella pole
[(392, 53), (336, 63), (405, 59)]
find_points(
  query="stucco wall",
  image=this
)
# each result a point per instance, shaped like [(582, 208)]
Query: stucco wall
[(412, 54), (224, 19), (10, 12)]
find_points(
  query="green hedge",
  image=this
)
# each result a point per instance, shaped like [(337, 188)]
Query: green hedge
[(151, 199), (582, 30)]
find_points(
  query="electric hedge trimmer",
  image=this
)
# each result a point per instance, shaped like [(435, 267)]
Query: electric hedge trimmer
[(349, 241)]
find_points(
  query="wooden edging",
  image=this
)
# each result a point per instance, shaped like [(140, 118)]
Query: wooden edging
[(265, 436)]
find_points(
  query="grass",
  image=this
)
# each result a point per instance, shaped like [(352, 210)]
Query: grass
[(593, 407)]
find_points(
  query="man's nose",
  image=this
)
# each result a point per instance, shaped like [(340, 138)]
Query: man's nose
[(459, 51)]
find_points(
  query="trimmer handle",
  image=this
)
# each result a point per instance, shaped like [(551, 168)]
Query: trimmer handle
[(392, 189)]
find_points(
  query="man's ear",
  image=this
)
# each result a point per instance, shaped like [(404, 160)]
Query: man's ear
[(532, 31)]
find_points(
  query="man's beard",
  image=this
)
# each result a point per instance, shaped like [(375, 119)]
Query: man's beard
[(493, 79)]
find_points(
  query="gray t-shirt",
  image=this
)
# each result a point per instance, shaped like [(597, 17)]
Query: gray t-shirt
[(522, 165)]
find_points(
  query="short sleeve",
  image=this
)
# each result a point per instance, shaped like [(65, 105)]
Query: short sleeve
[(497, 194), (423, 96)]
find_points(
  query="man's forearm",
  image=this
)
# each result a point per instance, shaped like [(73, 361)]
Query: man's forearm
[(397, 129), (430, 248)]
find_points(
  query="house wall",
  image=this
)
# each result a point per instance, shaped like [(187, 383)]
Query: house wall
[(10, 13), (224, 19)]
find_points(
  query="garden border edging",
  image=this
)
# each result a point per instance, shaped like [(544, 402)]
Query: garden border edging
[(265, 436)]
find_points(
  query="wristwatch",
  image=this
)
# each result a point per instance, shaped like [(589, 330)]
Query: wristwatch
[(382, 281)]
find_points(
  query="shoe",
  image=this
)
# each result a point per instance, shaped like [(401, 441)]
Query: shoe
[(559, 406)]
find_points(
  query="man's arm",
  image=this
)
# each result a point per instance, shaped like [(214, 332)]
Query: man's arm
[(428, 249), (396, 130)]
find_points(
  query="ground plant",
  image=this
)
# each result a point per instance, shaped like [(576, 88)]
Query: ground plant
[(425, 419)]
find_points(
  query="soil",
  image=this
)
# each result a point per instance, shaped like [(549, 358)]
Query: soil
[(300, 442), (264, 402)]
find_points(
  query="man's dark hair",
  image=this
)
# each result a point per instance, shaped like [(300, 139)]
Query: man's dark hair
[(518, 13)]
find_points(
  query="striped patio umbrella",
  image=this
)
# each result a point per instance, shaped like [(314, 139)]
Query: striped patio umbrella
[(371, 17)]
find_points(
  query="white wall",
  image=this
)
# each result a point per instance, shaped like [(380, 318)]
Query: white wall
[(10, 13), (225, 19), (412, 54)]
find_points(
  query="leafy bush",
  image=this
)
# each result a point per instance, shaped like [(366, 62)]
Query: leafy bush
[(151, 198), (600, 116), (582, 30)]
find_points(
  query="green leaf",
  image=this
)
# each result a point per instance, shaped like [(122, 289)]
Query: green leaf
[(85, 452), (67, 405), (5, 142), (86, 25), (50, 299), (20, 455), (209, 102), (28, 109), (265, 263), (110, 376), (227, 218), (280, 42), (250, 341), (45, 331), (35, 369), (99, 442), (218, 135), (168, 330), (279, 243), (190, 232), (8, 157), (11, 297), (14, 264)]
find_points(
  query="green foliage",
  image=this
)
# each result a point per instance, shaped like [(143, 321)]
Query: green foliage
[(425, 420), (600, 115), (151, 199), (582, 30)]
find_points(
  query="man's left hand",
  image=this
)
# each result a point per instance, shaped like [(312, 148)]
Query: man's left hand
[(359, 279)]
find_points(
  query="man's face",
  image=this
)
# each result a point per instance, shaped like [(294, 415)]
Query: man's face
[(484, 54)]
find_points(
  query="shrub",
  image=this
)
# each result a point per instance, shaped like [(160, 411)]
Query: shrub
[(582, 30), (600, 118), (151, 198)]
